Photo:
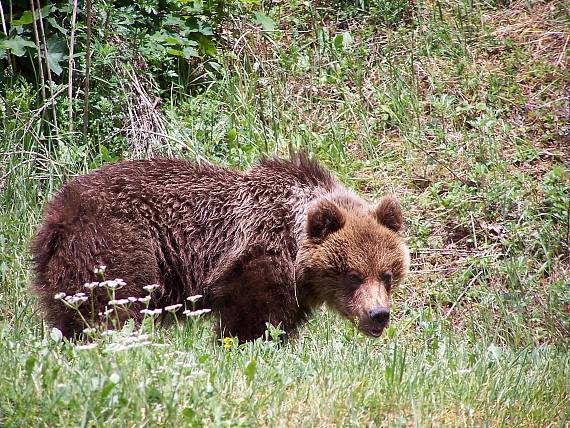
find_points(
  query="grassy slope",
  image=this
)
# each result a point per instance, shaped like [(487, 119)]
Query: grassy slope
[(461, 112)]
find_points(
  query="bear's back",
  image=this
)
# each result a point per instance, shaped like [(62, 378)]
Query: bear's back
[(197, 218)]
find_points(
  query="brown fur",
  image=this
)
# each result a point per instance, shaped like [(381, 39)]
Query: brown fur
[(265, 245)]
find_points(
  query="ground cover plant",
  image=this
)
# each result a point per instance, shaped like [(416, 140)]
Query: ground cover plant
[(460, 108)]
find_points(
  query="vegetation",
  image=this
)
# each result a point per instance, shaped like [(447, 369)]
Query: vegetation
[(460, 108)]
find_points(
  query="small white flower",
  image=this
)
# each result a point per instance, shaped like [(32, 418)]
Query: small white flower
[(75, 300), (59, 296), (135, 338), (110, 284), (99, 270), (118, 302), (87, 346), (151, 287), (144, 299), (120, 282), (79, 294), (173, 308), (151, 311), (195, 298), (89, 330), (56, 334), (106, 312), (196, 313), (132, 299), (114, 378), (90, 285)]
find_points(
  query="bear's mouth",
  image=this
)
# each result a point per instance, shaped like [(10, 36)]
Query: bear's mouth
[(373, 331)]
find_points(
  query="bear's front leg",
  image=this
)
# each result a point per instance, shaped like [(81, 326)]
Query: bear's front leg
[(256, 292)]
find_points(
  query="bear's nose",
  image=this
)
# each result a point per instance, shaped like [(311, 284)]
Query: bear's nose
[(380, 315)]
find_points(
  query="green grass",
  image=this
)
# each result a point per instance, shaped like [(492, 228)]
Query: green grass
[(329, 376), (457, 108)]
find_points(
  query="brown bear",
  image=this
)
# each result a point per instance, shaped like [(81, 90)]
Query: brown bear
[(265, 245)]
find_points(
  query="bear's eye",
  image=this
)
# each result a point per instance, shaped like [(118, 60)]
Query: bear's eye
[(355, 278), (386, 278)]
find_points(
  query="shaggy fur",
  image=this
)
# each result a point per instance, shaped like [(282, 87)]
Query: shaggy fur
[(265, 245)]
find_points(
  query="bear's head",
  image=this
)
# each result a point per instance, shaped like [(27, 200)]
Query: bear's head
[(352, 257)]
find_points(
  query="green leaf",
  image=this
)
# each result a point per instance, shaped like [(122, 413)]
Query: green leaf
[(175, 52), (190, 53), (188, 413), (347, 40), (107, 389), (26, 18), (265, 21), (231, 135), (195, 25), (55, 25), (214, 66), (57, 53), (173, 21), (342, 42), (17, 45), (250, 371), (30, 363), (207, 46), (172, 40)]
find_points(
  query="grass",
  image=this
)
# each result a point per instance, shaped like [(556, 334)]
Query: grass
[(460, 109)]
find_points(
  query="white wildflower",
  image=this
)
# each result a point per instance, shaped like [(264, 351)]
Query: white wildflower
[(56, 334), (75, 300), (132, 299), (86, 346), (110, 284), (196, 313), (99, 270), (144, 299), (151, 311), (118, 302), (195, 298), (91, 285), (173, 308), (59, 296), (89, 330), (134, 338), (151, 287), (116, 347), (106, 312), (114, 378)]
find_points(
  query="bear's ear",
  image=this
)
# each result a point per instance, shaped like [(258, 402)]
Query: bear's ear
[(323, 218), (388, 213)]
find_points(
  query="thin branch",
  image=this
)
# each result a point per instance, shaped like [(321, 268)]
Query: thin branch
[(5, 29), (465, 290), (45, 105), (39, 50), (71, 65), (88, 7), (568, 228), (50, 81), (3, 20)]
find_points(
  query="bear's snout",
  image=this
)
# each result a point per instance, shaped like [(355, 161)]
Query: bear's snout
[(381, 314), (377, 320)]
